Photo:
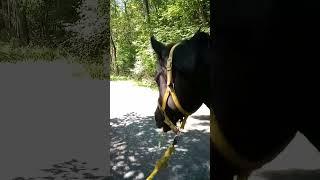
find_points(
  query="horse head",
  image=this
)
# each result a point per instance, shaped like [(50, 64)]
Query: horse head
[(181, 77)]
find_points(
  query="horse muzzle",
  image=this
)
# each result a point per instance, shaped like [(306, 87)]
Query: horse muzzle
[(159, 118)]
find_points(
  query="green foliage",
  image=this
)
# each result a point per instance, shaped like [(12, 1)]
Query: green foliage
[(48, 30), (46, 19), (89, 35), (170, 21)]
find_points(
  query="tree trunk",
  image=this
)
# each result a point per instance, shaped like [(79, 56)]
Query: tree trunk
[(13, 19), (114, 50), (24, 27), (147, 15), (2, 23), (128, 34), (147, 10)]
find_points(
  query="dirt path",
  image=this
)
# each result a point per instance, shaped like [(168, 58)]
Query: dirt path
[(134, 143)]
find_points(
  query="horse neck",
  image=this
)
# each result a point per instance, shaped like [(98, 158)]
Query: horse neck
[(205, 71), (202, 77)]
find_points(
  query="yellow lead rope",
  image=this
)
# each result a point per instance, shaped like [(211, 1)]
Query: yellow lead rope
[(162, 162)]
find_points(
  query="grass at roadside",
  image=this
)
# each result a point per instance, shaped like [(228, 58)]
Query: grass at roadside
[(8, 54), (139, 82)]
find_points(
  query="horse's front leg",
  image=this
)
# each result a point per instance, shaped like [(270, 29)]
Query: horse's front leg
[(220, 170)]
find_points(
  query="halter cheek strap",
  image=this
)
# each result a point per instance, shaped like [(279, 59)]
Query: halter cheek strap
[(170, 91)]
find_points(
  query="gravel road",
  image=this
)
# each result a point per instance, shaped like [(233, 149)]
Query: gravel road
[(135, 143)]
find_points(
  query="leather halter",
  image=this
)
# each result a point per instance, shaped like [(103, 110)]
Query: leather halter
[(170, 91)]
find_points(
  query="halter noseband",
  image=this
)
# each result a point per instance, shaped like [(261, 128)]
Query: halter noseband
[(170, 91)]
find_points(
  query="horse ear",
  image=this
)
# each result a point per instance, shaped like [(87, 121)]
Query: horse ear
[(157, 46)]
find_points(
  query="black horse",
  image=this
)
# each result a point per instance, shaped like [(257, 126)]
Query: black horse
[(246, 91), (263, 73), (190, 72)]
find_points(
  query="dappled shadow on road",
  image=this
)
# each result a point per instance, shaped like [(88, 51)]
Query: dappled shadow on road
[(73, 169), (134, 150), (290, 174)]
